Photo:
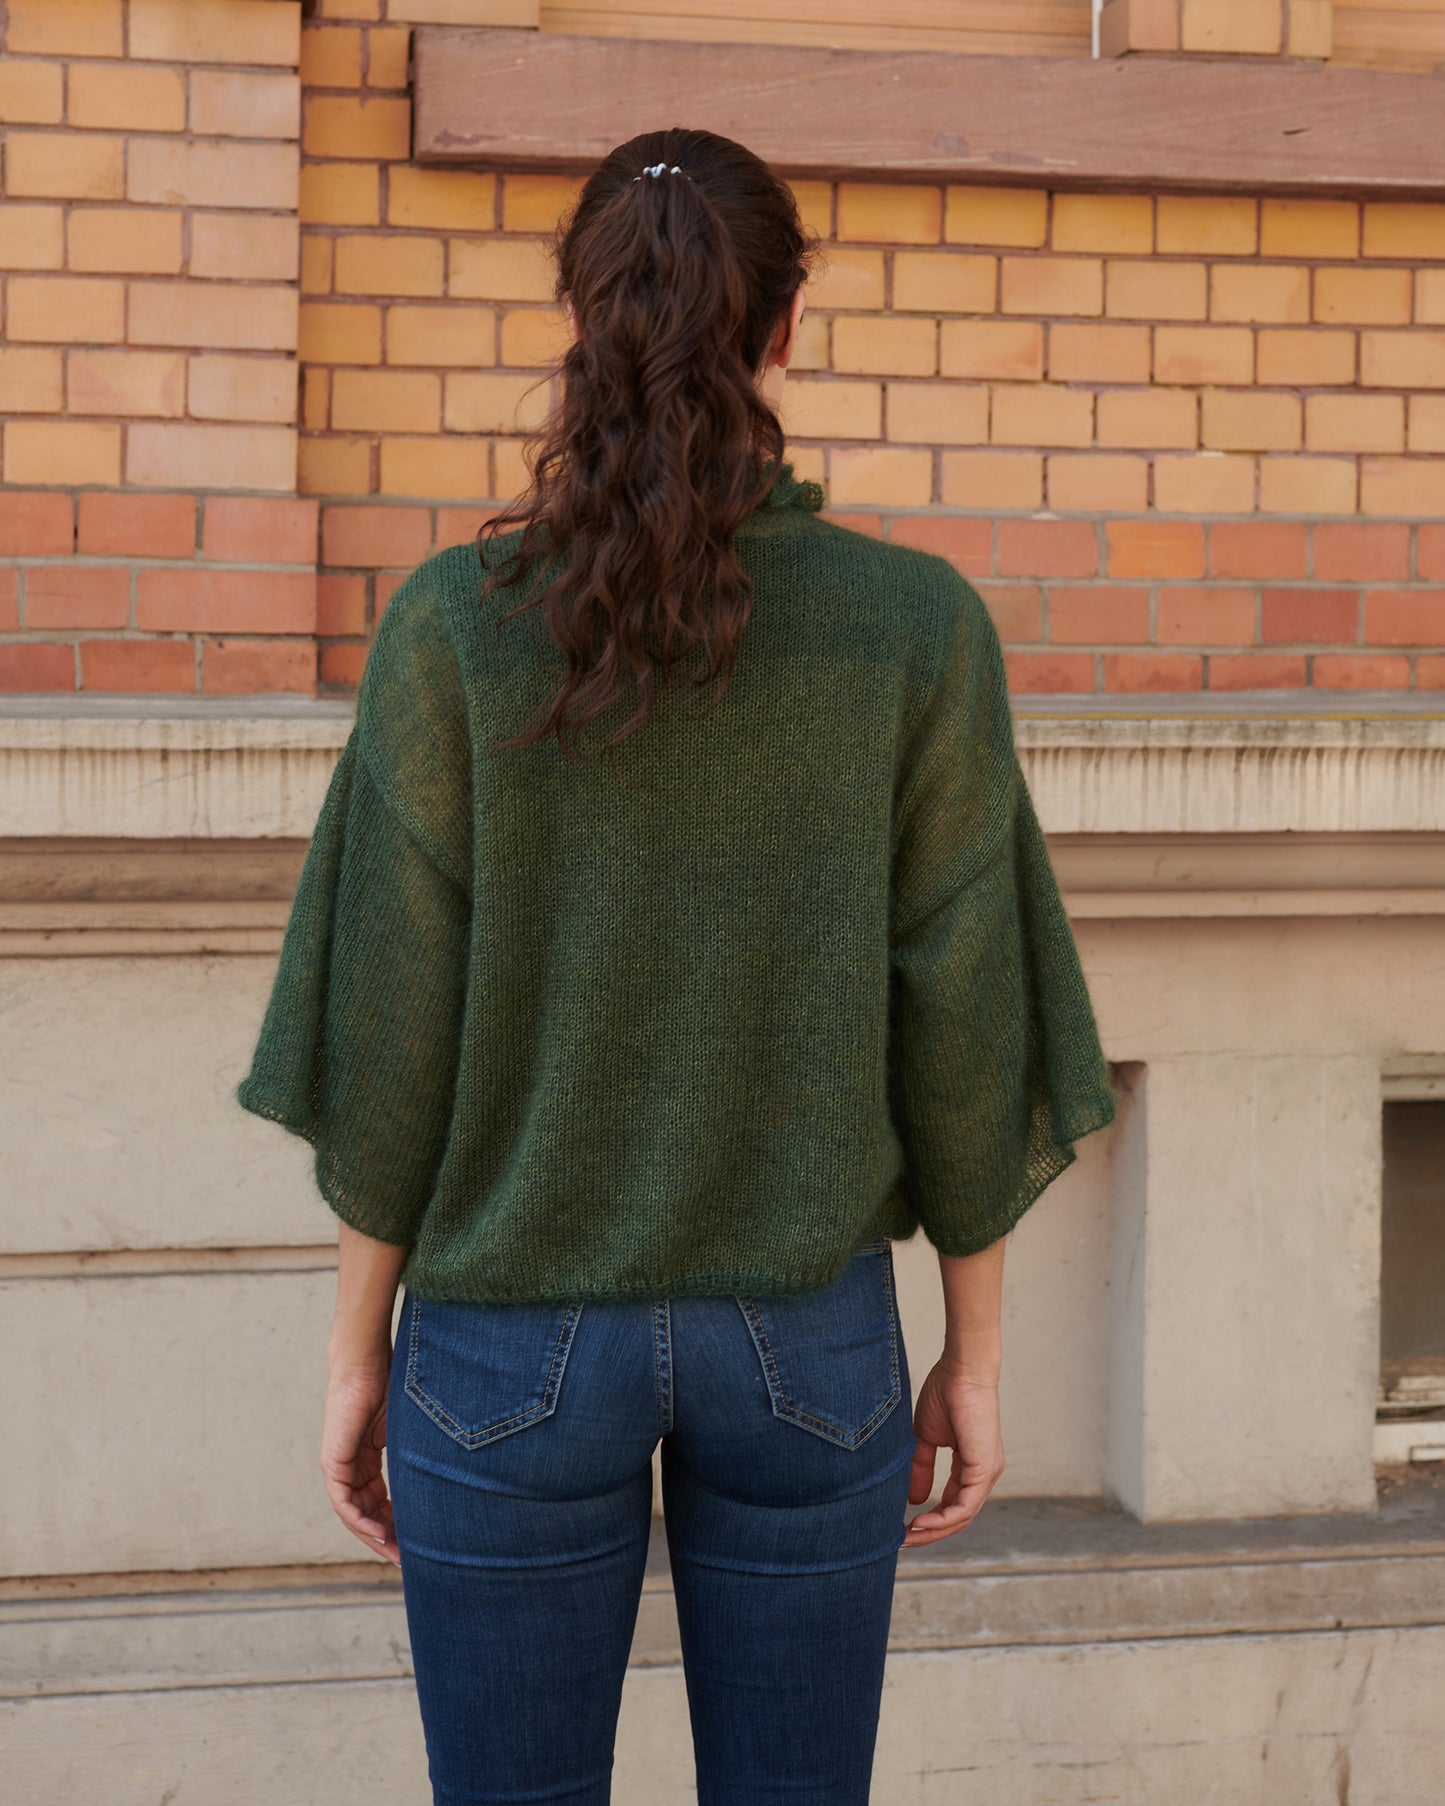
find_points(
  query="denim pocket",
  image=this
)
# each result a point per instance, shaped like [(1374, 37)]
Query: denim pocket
[(831, 1358), (483, 1371)]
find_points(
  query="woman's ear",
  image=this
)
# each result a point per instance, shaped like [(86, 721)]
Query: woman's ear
[(792, 326)]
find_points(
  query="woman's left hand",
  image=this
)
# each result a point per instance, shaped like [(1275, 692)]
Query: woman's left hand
[(353, 1436)]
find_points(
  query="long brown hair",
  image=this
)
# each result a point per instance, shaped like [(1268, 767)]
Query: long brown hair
[(661, 443)]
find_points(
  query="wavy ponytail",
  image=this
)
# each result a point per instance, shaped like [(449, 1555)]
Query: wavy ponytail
[(661, 443)]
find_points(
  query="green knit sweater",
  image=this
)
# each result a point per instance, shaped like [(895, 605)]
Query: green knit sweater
[(803, 980)]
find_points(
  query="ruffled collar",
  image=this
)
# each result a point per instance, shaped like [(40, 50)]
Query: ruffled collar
[(790, 491)]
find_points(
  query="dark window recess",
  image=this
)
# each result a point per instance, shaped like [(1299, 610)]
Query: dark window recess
[(1412, 1275)]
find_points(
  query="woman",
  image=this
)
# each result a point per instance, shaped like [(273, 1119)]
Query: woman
[(632, 1068)]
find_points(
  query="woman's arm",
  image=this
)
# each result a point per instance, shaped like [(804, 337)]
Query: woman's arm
[(972, 1301), (367, 1275)]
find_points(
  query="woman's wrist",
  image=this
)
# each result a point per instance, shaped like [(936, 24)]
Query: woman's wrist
[(974, 1356)]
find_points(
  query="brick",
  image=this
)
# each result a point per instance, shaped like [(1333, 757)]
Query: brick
[(1359, 552), (334, 466), (1413, 229), (440, 468), (1011, 350), (1395, 617), (1430, 671), (1431, 554), (340, 194), (811, 409), (347, 9), (1155, 548), (1306, 359), (884, 346), (1273, 292), (534, 336), (138, 667), (61, 451), (1142, 673), (339, 333), (991, 479), (1307, 485), (453, 525), (374, 536), (1243, 420), (1015, 609), (315, 400), (516, 269), (202, 315), (1363, 297), (32, 669), (228, 103), (127, 96), (35, 525), (31, 93), (1256, 671), (1427, 423), (146, 526), (1157, 291), (249, 247), (139, 240), (1035, 414), (126, 382), (387, 584), (66, 309), (30, 380), (1049, 673), (966, 543), (1126, 25), (257, 667), (31, 238), (340, 605), (448, 336), (455, 199), (853, 278), (1098, 614), (1231, 28), (1355, 423), (253, 529), (215, 31), (815, 205), (1311, 28), (1430, 297), (389, 264), (1106, 354), (1052, 285), (202, 601), (1402, 360), (935, 413), (341, 666), (996, 216), (173, 454), (1269, 549), (1197, 616), (66, 28), (944, 282), (316, 254), (203, 173), (1289, 227), (331, 56), (1047, 548), (889, 476), (1360, 671), (537, 203), (487, 403), (1103, 222), (77, 595), (387, 49), (1147, 417), (9, 601), (65, 166), (358, 126), (1410, 486), (1207, 225), (386, 401), (1208, 482), (895, 213), (1203, 354), (811, 350), (1096, 483)]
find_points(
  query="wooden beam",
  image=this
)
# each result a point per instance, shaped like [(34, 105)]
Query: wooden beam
[(552, 101)]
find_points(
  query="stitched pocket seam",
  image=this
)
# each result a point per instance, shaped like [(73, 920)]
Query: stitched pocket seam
[(503, 1426)]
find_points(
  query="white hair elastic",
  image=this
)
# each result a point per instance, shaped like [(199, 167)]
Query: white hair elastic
[(658, 169)]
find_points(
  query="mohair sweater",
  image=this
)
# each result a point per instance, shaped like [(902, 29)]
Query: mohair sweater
[(803, 981)]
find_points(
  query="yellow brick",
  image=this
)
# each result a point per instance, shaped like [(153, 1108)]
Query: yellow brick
[(388, 48), (243, 388), (1103, 222), (501, 269), (1232, 27), (66, 28), (1363, 297), (1052, 285), (126, 382), (460, 199), (1098, 484), (438, 468), (1427, 423), (1355, 423), (388, 401), (512, 468), (1203, 354), (991, 479), (1307, 485), (851, 279), (66, 165), (1401, 360), (31, 238), (254, 247), (1147, 417), (315, 400), (182, 454), (949, 282), (1311, 28), (1156, 290), (1430, 297), (1126, 25), (537, 203), (884, 345), (1204, 483), (213, 315), (144, 240), (30, 380), (338, 125), (819, 408), (1105, 354), (1297, 228), (891, 213), (316, 265), (331, 56), (129, 96), (1035, 414), (885, 476), (534, 335), (815, 207), (31, 93), (1414, 487), (1306, 359), (215, 31), (1414, 229), (441, 335), (811, 352), (228, 103), (340, 194), (996, 216), (1012, 350), (386, 264), (338, 333), (482, 402), (206, 173), (61, 452), (1207, 225), (61, 310), (1241, 420), (936, 414), (347, 9), (334, 467), (1275, 292)]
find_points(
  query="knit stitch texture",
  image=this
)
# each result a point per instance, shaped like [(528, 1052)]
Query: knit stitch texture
[(804, 979)]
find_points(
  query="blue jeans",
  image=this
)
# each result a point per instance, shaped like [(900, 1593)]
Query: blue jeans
[(520, 1441)]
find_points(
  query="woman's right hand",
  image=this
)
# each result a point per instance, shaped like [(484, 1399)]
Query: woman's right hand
[(961, 1414)]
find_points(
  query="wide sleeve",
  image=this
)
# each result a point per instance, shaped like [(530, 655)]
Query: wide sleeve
[(996, 1067), (358, 1049)]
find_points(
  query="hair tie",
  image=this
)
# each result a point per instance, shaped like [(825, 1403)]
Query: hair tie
[(658, 169)]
